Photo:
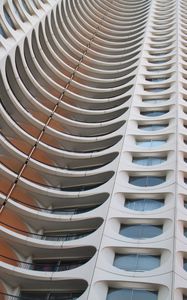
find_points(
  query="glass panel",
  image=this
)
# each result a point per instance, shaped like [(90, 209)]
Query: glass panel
[(150, 143), (185, 264), (148, 161), (140, 231), (131, 294), (136, 262), (144, 204), (152, 127), (147, 262), (153, 113), (145, 181), (154, 101)]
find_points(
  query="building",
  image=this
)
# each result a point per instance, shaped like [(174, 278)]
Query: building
[(93, 149)]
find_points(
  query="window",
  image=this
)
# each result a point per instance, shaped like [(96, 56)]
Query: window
[(140, 231), (185, 264), (156, 90), (152, 127), (154, 113), (144, 204), (150, 143), (145, 181), (156, 79), (131, 294), (148, 161), (152, 69), (160, 61), (185, 231), (154, 101), (136, 262)]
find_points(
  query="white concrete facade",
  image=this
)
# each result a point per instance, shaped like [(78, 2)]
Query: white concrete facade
[(93, 149)]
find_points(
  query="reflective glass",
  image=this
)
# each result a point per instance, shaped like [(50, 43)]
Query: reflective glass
[(153, 113), (140, 231), (146, 180), (154, 101), (131, 294), (152, 127), (148, 161), (136, 262), (144, 204), (160, 79), (150, 143), (185, 264)]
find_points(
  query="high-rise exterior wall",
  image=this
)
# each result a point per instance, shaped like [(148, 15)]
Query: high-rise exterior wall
[(93, 149)]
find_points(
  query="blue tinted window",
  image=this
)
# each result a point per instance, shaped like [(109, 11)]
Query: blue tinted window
[(154, 101), (144, 204), (147, 180), (148, 161), (153, 113), (131, 294), (185, 231), (185, 264), (152, 127), (136, 262), (150, 143), (140, 231)]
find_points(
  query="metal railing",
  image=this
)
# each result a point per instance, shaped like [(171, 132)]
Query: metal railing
[(49, 237), (59, 211), (45, 296), (45, 266)]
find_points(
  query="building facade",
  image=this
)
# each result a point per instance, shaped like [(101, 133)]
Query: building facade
[(93, 171)]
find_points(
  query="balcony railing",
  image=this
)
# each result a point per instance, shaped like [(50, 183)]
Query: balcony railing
[(56, 236), (57, 265), (39, 296), (58, 211)]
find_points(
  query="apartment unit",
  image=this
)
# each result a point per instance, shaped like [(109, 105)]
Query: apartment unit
[(93, 174)]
